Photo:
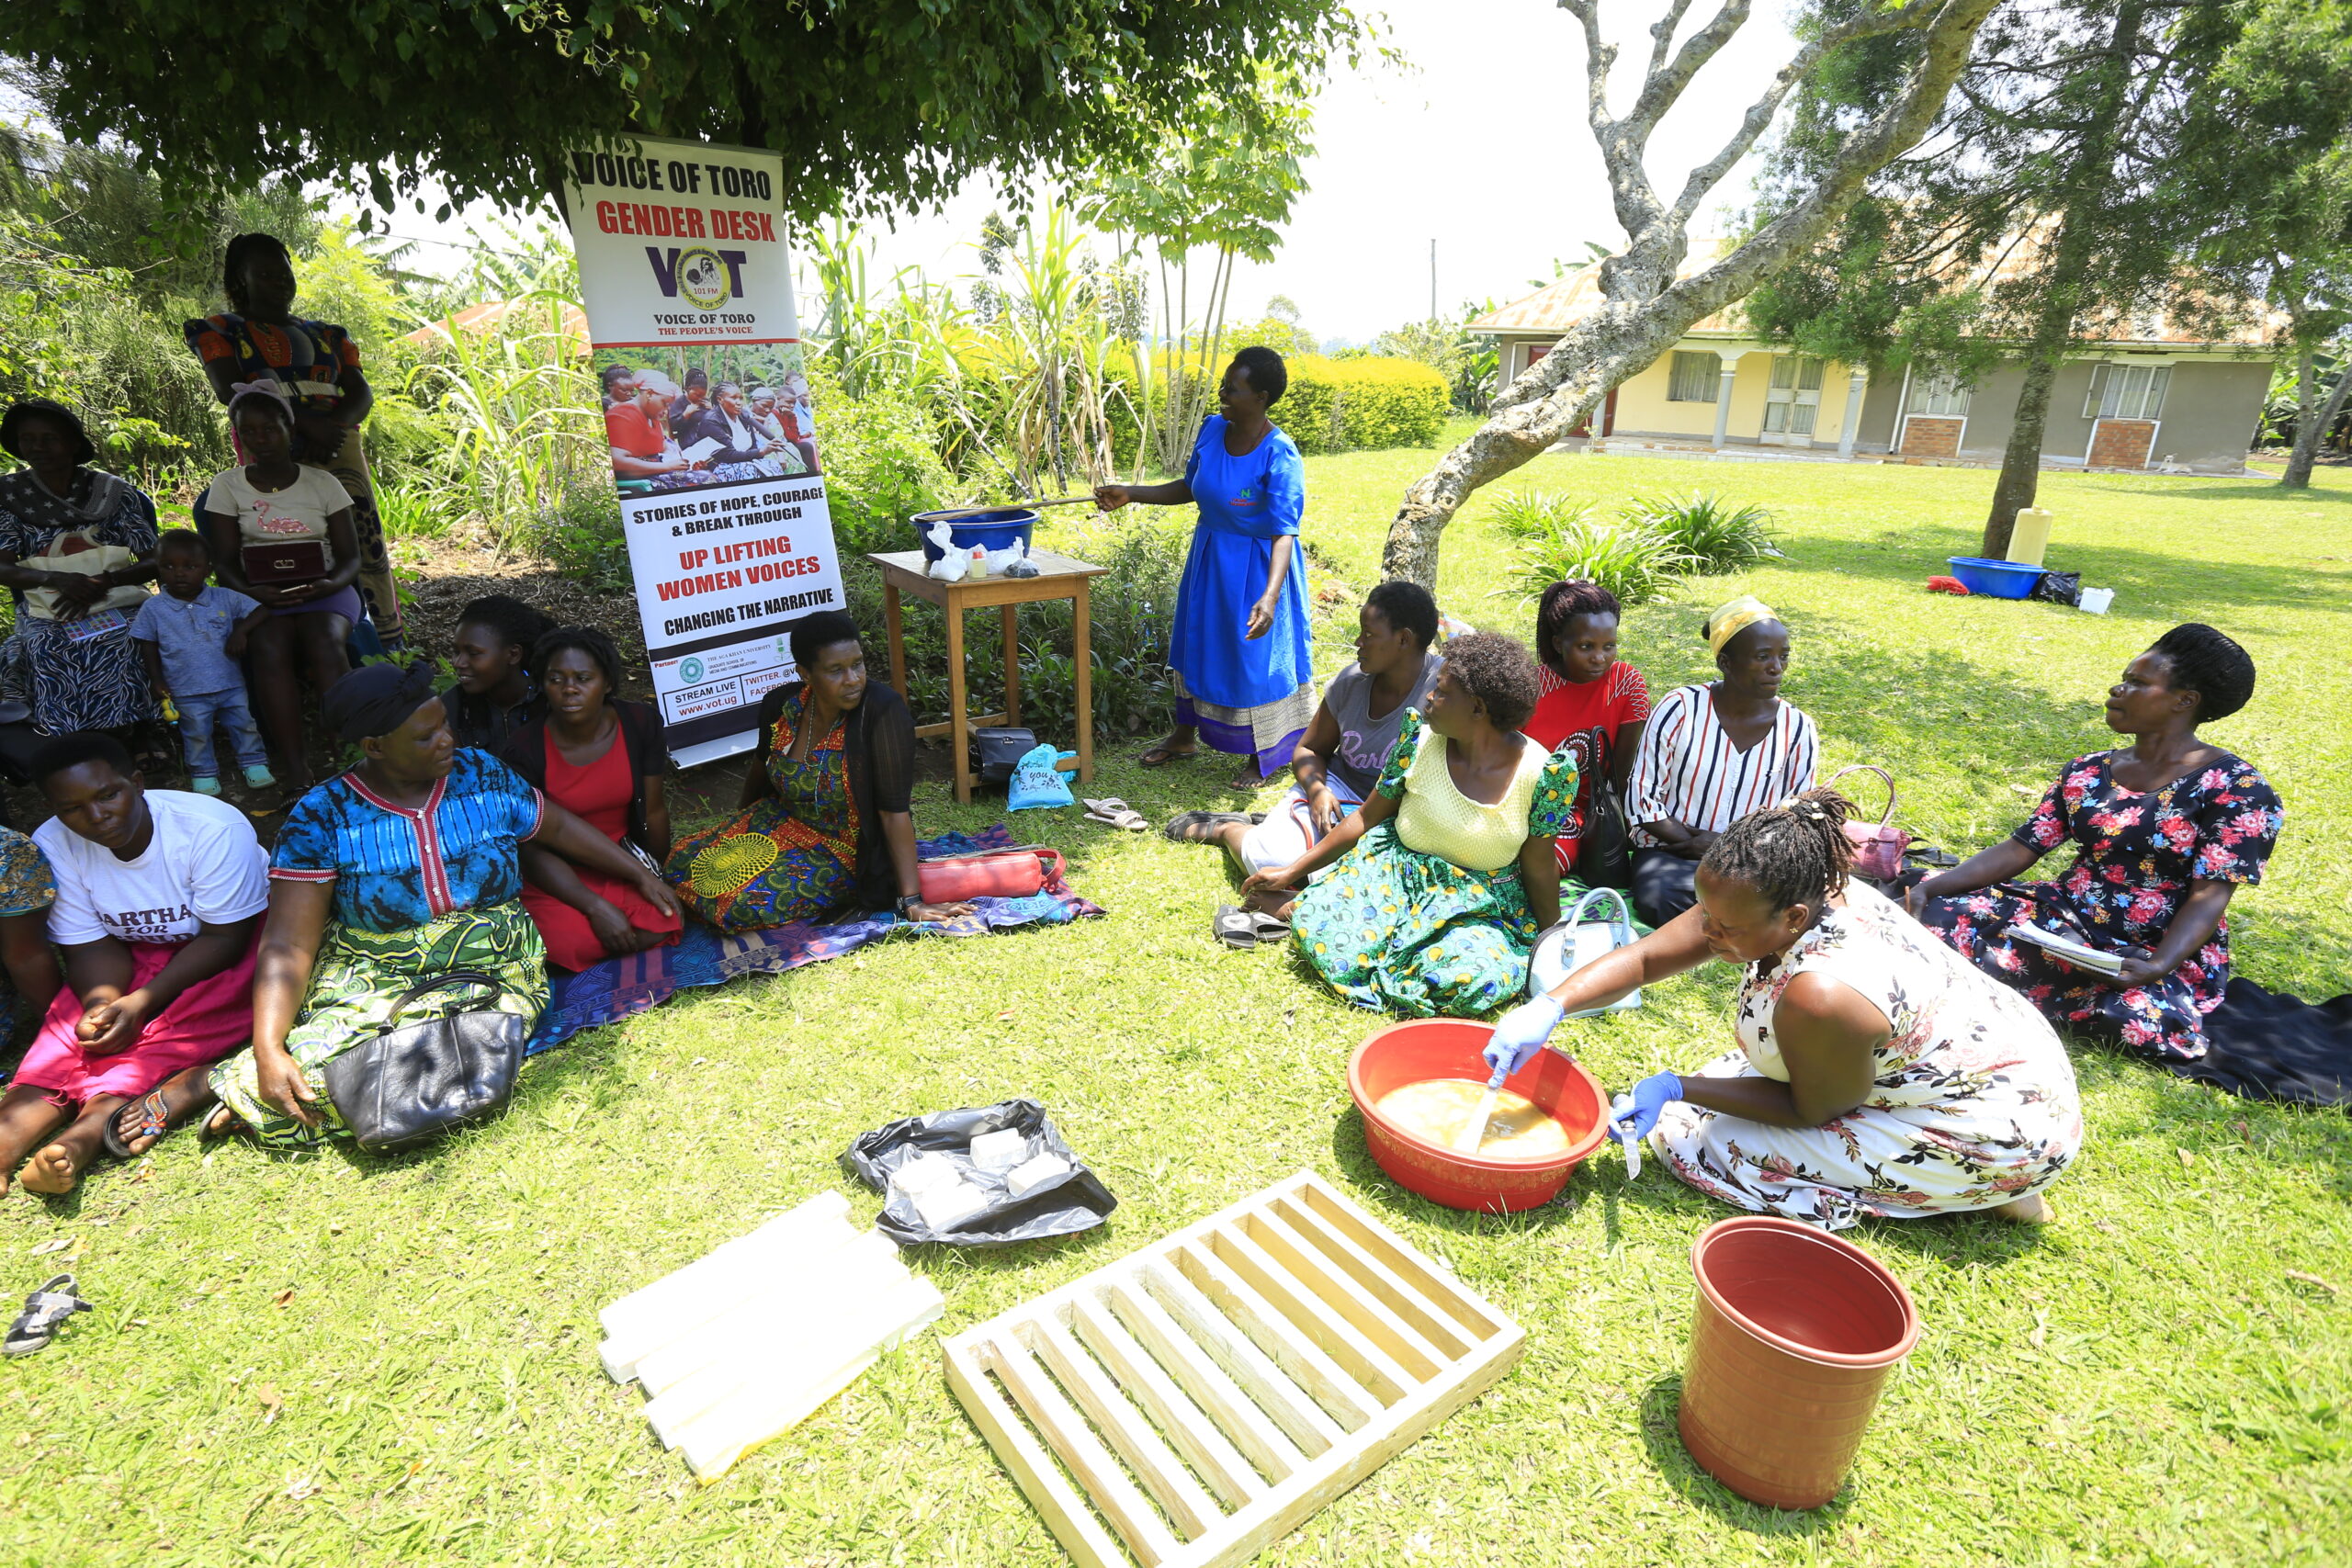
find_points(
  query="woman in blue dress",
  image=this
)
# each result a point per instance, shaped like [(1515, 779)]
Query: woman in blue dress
[(1245, 678)]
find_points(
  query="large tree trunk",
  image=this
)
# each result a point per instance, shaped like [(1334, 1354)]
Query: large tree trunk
[(1648, 308), (2088, 176), (2312, 425)]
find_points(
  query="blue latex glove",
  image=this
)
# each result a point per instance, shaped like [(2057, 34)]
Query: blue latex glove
[(1519, 1033), (1650, 1097)]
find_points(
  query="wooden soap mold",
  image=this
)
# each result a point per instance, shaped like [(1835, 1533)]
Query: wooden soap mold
[(1235, 1377)]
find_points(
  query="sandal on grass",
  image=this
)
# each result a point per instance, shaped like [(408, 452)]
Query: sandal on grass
[(1199, 827), (1116, 812), (45, 1310), (154, 1120), (1233, 927), (1161, 755), (1270, 927)]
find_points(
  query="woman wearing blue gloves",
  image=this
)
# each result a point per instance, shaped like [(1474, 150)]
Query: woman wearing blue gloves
[(1877, 1072)]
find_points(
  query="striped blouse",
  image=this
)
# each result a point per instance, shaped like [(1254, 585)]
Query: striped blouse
[(1688, 770)]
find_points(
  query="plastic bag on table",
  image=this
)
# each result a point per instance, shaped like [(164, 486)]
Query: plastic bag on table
[(1062, 1205)]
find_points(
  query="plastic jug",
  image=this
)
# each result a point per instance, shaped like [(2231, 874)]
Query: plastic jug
[(2029, 535)]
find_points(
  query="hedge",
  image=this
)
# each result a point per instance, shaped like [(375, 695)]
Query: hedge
[(1362, 403)]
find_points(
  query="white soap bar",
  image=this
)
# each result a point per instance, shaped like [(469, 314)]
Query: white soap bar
[(657, 1301), (1026, 1178), (946, 1205), (924, 1172), (734, 1278), (871, 1257), (1001, 1150)]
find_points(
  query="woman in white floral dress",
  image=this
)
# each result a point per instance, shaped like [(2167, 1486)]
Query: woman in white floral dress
[(1878, 1073)]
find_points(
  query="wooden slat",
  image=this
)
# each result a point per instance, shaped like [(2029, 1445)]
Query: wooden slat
[(1436, 1284), (1186, 1425), (1336, 1289), (1361, 1360), (1428, 1319), (1067, 1513), (1162, 1474), (1284, 1344), (1293, 1409), (1260, 1440), (1128, 1510)]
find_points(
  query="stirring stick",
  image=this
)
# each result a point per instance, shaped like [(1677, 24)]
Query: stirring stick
[(1475, 1134)]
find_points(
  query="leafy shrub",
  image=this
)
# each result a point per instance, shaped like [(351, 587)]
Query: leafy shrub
[(582, 533), (1536, 515), (410, 511), (880, 460), (1715, 535), (1629, 559), (1362, 403)]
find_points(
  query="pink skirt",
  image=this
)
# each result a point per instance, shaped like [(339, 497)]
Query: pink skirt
[(203, 1024)]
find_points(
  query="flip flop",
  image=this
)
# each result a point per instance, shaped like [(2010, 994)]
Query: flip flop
[(45, 1310), (1233, 927), (1192, 827), (154, 1121), (1161, 755), (1270, 927), (1116, 812)]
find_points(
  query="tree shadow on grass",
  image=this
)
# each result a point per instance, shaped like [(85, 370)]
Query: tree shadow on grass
[(1910, 557)]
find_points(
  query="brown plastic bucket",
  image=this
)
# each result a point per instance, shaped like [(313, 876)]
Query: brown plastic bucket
[(1793, 1336)]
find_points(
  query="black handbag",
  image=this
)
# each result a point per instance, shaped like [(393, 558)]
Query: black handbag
[(417, 1082), (995, 750), (1604, 852)]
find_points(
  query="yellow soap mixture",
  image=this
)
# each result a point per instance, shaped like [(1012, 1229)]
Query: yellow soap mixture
[(1437, 1110)]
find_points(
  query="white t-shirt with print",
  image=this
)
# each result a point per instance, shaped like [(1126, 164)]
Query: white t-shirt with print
[(273, 517), (202, 867)]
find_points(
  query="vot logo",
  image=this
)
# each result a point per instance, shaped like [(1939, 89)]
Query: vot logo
[(704, 277)]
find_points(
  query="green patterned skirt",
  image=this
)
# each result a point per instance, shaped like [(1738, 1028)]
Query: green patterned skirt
[(359, 978), (1397, 931)]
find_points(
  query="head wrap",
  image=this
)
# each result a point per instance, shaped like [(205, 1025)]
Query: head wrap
[(1730, 620), (42, 408), (375, 699)]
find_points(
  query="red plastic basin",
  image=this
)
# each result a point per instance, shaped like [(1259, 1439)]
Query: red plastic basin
[(1450, 1048)]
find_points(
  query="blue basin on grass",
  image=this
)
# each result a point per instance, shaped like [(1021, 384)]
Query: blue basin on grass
[(1995, 578)]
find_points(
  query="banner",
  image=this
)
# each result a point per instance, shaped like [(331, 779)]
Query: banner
[(688, 289)]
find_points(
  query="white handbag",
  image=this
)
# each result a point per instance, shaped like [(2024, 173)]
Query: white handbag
[(1577, 942)]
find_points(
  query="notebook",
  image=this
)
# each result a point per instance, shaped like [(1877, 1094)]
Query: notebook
[(2072, 952)]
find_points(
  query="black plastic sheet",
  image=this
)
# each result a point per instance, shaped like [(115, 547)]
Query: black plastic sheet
[(1073, 1201)]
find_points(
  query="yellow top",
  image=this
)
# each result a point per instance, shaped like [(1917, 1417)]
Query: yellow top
[(1436, 818)]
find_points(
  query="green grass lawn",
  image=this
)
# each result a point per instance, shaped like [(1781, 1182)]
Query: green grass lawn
[(345, 1359)]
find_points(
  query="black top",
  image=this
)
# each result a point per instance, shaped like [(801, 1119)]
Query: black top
[(482, 724), (712, 424), (879, 744), (525, 751)]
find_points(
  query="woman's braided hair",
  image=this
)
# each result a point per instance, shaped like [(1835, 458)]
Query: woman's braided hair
[(1795, 852)]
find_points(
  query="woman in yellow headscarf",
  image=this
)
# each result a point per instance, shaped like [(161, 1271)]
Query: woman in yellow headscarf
[(1713, 753)]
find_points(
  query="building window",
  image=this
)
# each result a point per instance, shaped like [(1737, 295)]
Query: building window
[(1941, 396), (1691, 379), (2127, 391)]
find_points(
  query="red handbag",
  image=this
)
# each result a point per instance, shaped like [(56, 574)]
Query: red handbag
[(1878, 851), (997, 873)]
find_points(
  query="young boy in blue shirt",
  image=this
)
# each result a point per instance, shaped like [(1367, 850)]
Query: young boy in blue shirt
[(191, 636)]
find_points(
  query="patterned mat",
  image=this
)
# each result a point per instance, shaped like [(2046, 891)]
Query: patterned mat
[(620, 986)]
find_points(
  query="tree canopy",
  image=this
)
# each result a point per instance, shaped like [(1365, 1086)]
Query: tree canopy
[(872, 103)]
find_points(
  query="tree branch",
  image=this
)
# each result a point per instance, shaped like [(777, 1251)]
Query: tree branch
[(1661, 89)]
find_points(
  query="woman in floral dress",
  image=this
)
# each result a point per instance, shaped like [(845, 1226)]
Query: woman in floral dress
[(1876, 1073), (1449, 873), (826, 819), (2164, 833)]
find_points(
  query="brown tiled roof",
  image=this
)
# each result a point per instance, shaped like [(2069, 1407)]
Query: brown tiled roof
[(1553, 310)]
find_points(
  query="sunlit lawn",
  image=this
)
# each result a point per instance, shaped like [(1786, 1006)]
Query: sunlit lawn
[(339, 1359)]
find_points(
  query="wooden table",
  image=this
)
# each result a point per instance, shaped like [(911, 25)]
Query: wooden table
[(1059, 577)]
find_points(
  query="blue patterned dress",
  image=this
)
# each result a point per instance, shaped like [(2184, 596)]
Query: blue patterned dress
[(418, 894)]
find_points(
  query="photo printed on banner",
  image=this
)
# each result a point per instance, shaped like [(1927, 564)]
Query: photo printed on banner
[(700, 369)]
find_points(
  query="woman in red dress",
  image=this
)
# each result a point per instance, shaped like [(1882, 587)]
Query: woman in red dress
[(602, 760), (1591, 699)]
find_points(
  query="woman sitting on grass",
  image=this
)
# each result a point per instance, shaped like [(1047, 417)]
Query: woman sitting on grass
[(402, 869), (2164, 833), (1593, 702), (1876, 1074), (1448, 874), (1713, 753), (602, 760), (827, 814), (495, 694)]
